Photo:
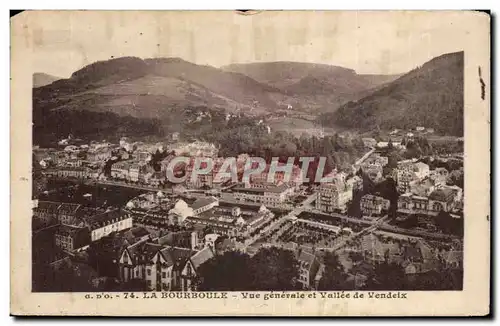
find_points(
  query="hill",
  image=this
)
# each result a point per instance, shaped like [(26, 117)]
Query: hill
[(430, 95), (157, 91), (149, 94), (310, 86), (41, 79), (147, 88)]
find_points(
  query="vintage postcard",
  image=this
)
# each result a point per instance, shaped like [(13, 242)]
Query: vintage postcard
[(264, 163)]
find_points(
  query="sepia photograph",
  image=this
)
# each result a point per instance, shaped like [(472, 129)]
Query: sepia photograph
[(266, 155)]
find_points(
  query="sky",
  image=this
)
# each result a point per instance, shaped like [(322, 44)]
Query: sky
[(368, 42)]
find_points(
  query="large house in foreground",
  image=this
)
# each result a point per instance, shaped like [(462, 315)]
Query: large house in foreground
[(161, 266)]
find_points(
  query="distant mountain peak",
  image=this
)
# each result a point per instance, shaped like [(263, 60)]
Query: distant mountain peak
[(41, 79)]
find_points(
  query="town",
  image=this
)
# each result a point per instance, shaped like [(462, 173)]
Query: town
[(107, 217)]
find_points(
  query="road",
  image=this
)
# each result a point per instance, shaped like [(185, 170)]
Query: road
[(363, 158)]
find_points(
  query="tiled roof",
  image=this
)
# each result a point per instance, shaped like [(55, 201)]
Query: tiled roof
[(201, 257)]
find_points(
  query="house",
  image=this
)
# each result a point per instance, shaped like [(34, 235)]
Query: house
[(308, 269), (191, 268), (70, 238), (164, 270), (134, 258), (372, 205)]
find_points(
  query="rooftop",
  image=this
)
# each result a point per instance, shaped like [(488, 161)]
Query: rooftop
[(203, 201), (201, 257), (443, 195)]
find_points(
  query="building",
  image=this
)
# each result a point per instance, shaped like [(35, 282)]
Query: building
[(71, 172), (103, 223), (191, 268), (98, 154), (56, 212), (409, 203), (442, 199), (120, 170), (163, 273), (46, 211), (334, 196), (204, 180), (372, 205), (70, 238), (204, 204), (295, 178), (268, 195), (409, 172), (308, 268), (135, 172)]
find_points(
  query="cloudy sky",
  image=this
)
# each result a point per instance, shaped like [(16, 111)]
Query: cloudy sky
[(368, 42)]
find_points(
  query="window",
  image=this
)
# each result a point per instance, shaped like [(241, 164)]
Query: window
[(164, 274), (149, 272), (149, 282)]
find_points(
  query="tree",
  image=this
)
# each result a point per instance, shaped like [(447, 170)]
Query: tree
[(334, 277), (134, 284), (387, 276), (228, 272), (102, 256), (274, 269)]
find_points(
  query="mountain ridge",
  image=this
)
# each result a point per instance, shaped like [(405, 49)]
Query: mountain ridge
[(430, 95)]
